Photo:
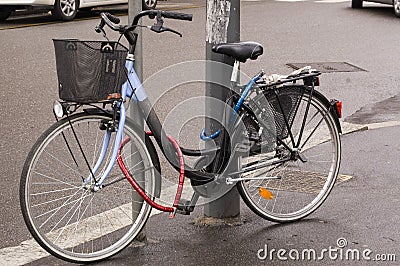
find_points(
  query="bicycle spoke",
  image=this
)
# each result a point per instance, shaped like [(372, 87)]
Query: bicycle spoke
[(55, 210), (50, 167), (77, 223), (53, 191), (67, 222), (78, 218), (55, 179), (95, 148), (50, 201), (52, 184), (65, 165), (312, 133)]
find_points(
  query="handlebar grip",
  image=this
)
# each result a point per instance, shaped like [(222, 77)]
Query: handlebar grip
[(176, 15), (113, 18)]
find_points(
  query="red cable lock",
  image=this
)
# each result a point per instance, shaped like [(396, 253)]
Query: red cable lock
[(141, 192)]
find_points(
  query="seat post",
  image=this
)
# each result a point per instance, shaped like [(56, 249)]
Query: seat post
[(235, 71)]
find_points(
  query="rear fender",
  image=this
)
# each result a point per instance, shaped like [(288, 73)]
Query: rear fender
[(331, 105)]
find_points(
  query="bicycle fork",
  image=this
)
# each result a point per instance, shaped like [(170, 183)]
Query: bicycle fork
[(90, 181), (127, 90)]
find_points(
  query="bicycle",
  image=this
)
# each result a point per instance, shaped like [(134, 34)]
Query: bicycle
[(280, 146)]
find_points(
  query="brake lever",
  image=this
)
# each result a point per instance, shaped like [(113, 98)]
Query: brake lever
[(158, 27), (100, 29), (171, 30)]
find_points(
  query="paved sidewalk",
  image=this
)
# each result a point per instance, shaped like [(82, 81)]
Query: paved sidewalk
[(360, 214)]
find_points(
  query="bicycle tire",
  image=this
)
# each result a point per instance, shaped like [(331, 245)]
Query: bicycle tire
[(76, 224), (302, 187)]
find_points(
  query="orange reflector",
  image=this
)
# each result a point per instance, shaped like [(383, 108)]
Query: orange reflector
[(113, 96), (265, 193), (339, 108)]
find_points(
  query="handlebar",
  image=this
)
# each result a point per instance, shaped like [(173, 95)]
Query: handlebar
[(110, 20), (127, 31), (176, 15), (113, 21), (165, 14)]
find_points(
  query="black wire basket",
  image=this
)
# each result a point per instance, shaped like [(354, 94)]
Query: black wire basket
[(89, 71), (285, 108)]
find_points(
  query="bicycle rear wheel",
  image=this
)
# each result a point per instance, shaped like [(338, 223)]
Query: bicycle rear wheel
[(80, 224), (303, 164)]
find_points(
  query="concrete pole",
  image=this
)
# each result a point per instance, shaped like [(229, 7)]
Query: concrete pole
[(222, 25), (134, 7)]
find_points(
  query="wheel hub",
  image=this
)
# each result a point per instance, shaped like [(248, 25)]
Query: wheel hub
[(91, 187), (297, 155)]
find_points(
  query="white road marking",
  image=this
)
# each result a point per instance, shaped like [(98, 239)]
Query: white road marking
[(29, 250)]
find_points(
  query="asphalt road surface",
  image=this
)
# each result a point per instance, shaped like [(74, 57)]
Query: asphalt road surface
[(364, 210)]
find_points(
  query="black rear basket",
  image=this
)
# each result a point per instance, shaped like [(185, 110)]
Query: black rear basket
[(276, 114), (88, 71), (285, 108)]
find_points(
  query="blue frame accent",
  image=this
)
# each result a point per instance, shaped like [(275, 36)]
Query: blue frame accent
[(203, 135), (137, 89), (132, 87), (246, 92), (106, 142)]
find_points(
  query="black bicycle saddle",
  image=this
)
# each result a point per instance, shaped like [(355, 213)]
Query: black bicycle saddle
[(241, 51)]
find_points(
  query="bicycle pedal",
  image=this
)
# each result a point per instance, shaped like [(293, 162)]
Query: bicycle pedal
[(184, 207), (183, 212)]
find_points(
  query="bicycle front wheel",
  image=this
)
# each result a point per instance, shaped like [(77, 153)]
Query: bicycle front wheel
[(296, 173), (74, 222)]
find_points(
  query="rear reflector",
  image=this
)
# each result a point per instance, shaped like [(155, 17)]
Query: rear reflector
[(338, 105)]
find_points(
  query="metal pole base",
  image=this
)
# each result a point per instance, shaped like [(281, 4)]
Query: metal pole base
[(227, 206)]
